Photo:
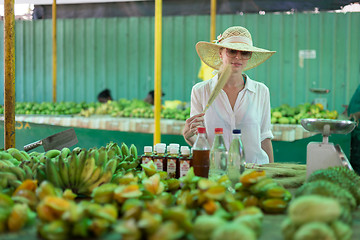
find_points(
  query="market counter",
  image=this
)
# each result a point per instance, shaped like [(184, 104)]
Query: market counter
[(281, 132), (289, 144)]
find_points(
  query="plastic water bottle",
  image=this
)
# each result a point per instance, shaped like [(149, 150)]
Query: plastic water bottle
[(236, 159), (218, 155)]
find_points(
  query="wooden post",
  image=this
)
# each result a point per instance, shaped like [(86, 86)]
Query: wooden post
[(9, 72)]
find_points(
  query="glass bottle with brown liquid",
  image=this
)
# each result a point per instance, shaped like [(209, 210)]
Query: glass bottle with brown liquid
[(184, 162), (172, 162), (147, 156), (201, 154), (159, 159)]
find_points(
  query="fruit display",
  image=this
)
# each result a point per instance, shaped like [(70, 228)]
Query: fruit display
[(285, 114), (93, 192), (323, 206)]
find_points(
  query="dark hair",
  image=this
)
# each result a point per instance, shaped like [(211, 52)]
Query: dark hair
[(152, 93), (104, 94)]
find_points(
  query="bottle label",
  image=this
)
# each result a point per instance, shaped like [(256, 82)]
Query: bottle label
[(159, 164), (171, 168), (145, 160), (184, 167)]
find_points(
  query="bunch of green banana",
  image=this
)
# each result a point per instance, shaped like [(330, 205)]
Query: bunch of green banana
[(11, 176), (80, 170), (130, 158)]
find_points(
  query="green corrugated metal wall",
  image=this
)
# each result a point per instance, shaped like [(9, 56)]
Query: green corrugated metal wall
[(117, 53)]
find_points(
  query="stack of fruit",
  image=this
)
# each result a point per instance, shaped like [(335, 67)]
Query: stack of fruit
[(293, 115), (323, 206), (80, 170)]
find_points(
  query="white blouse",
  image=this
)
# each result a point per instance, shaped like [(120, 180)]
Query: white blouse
[(251, 114)]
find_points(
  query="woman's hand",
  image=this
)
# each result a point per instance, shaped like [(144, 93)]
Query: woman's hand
[(191, 126)]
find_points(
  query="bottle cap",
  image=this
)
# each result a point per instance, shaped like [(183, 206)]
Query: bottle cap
[(236, 131), (174, 150), (148, 149), (218, 130), (160, 149), (185, 151), (201, 130), (174, 145), (184, 147)]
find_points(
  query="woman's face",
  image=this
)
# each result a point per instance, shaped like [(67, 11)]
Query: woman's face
[(237, 59)]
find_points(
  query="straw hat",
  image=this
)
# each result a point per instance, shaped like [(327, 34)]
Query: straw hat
[(237, 38)]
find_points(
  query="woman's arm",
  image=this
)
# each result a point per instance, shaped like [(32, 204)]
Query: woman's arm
[(266, 145)]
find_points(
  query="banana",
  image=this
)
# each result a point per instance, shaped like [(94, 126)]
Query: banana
[(52, 173), (28, 172), (39, 174), (73, 161), (9, 163), (34, 154), (95, 154), (88, 169), (35, 166), (52, 153), (104, 178), (42, 157), (4, 164), (18, 156), (8, 175), (111, 166), (124, 150), (96, 174), (14, 183), (19, 172), (64, 171), (133, 151), (65, 152), (77, 150), (103, 157), (25, 154), (12, 150), (5, 156), (3, 183), (83, 156)]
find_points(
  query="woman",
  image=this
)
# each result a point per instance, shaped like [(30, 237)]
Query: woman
[(242, 103)]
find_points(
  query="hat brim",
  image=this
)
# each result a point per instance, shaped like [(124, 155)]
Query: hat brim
[(209, 53)]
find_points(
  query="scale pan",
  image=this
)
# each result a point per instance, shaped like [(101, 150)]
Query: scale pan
[(336, 126)]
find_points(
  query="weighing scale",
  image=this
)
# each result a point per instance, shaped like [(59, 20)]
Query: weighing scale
[(321, 155), (321, 100)]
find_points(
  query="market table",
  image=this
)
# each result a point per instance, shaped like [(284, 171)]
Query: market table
[(289, 141), (281, 132)]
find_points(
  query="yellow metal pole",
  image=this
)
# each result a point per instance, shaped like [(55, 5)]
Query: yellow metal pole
[(157, 70), (54, 63), (212, 20), (9, 72)]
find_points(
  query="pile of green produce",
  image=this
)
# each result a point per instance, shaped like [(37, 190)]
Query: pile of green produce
[(323, 206), (93, 192), (136, 108), (49, 108), (285, 114)]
